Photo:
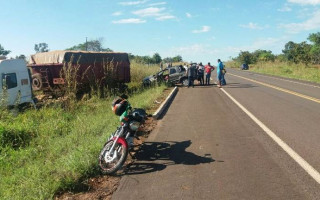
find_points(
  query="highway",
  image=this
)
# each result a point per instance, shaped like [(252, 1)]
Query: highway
[(258, 137)]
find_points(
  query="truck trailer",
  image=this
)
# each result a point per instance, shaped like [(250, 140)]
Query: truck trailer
[(88, 67)]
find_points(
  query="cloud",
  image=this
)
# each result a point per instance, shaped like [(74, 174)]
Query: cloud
[(285, 8), (188, 15), (195, 49), (158, 4), (165, 17), (312, 23), (266, 43), (209, 52), (269, 43), (132, 3), (203, 30), (253, 26), (117, 13), (158, 13), (305, 2), (129, 21), (149, 12)]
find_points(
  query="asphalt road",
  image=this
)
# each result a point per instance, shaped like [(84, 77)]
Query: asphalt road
[(207, 147)]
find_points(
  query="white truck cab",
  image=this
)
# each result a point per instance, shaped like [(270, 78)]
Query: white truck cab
[(15, 85)]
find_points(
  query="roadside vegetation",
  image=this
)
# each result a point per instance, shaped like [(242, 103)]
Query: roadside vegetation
[(298, 60), (55, 148), (284, 69)]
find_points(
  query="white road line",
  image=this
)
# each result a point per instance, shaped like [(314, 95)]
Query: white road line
[(296, 157), (306, 84)]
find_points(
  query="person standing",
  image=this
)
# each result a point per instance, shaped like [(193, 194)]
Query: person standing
[(220, 75), (191, 73), (201, 73), (223, 73), (185, 66), (208, 69)]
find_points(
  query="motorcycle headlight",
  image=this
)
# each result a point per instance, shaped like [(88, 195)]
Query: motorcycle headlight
[(134, 125)]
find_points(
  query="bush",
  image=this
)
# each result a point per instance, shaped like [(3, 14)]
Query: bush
[(13, 136)]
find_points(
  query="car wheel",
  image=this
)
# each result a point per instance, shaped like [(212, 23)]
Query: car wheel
[(185, 82)]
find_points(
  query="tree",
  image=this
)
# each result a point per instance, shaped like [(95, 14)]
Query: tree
[(92, 45), (3, 52), (156, 58), (262, 55), (167, 60), (297, 52), (314, 38), (41, 47), (245, 57), (21, 57), (303, 51), (290, 51), (177, 58)]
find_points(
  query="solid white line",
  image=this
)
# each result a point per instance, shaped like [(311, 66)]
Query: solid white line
[(296, 157)]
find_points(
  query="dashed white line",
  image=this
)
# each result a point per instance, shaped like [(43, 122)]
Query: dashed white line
[(295, 156)]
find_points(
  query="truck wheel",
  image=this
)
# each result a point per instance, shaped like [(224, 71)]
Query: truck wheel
[(36, 82), (185, 82)]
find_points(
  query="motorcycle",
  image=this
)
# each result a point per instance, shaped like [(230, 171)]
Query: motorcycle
[(115, 151)]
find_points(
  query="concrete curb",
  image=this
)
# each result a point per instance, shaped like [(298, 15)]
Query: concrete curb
[(165, 104)]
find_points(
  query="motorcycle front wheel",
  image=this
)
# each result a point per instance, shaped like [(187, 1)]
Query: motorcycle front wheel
[(111, 162)]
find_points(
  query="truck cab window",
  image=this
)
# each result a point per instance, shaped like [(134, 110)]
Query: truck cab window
[(9, 80)]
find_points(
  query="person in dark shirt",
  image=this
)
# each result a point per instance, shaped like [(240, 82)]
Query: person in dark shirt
[(191, 73), (201, 73)]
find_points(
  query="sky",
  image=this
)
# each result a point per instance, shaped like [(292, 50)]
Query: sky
[(198, 30)]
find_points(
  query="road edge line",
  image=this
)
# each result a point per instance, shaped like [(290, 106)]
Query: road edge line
[(295, 156), (165, 104), (280, 89)]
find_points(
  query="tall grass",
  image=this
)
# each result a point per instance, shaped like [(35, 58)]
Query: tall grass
[(296, 71), (53, 149), (140, 71)]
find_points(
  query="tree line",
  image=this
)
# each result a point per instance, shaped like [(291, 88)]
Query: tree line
[(155, 59), (303, 52), (97, 45)]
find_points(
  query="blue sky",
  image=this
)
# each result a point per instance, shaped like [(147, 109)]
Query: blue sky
[(198, 30)]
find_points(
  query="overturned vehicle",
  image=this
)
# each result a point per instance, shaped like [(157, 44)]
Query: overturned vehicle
[(55, 70), (173, 75)]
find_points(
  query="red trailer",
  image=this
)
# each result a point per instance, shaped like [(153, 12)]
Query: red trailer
[(49, 68)]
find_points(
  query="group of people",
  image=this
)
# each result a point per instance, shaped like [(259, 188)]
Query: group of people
[(198, 71)]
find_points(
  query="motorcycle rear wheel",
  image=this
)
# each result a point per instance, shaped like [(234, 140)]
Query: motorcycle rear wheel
[(111, 164)]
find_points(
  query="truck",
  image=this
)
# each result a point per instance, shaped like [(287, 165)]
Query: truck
[(89, 68), (15, 84)]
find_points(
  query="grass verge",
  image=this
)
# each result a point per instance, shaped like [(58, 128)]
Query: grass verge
[(61, 148), (296, 71)]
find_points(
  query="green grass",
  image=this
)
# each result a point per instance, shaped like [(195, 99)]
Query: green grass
[(140, 71), (53, 149), (296, 71)]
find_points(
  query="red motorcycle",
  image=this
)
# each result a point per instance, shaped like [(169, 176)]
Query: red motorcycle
[(115, 151)]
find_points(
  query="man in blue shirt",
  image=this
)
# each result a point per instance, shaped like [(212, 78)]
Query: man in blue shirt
[(220, 75)]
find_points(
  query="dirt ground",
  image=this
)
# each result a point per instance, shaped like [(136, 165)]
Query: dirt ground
[(102, 187)]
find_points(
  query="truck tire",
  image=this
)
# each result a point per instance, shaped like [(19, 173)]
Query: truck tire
[(36, 82)]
